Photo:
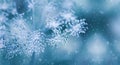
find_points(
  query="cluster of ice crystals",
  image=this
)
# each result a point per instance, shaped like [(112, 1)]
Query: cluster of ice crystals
[(25, 38), (29, 41), (63, 21)]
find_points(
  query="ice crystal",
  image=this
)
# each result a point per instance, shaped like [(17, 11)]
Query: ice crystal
[(23, 33), (29, 41), (65, 22)]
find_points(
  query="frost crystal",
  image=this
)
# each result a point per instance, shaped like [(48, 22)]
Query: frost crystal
[(63, 21), (29, 41), (23, 30)]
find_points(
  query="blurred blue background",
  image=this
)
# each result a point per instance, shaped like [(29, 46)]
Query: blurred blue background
[(99, 45)]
